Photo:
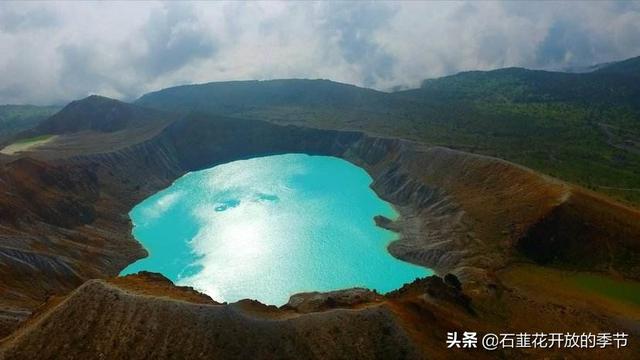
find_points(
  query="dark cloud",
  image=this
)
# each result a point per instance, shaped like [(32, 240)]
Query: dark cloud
[(355, 25), (14, 92), (565, 44), (625, 5), (579, 34), (171, 39), (13, 18), (78, 69), (174, 37)]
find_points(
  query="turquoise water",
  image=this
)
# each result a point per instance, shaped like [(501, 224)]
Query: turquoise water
[(267, 228)]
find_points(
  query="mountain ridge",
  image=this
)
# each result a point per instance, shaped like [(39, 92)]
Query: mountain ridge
[(581, 128), (96, 113)]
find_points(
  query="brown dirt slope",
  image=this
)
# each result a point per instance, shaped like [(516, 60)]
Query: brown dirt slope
[(145, 316), (64, 222), (99, 320)]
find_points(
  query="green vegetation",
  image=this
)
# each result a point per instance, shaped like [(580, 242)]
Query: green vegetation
[(33, 139), (583, 128), (626, 291), (557, 123), (96, 113), (17, 118)]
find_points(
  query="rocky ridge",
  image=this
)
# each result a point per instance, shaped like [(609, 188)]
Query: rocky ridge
[(461, 213)]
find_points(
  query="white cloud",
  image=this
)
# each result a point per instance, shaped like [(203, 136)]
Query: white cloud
[(54, 52)]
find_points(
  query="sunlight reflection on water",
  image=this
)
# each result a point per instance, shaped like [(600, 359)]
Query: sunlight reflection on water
[(266, 228)]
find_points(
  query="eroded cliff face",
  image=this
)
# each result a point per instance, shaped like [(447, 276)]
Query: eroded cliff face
[(145, 316), (461, 213), (118, 324), (586, 231)]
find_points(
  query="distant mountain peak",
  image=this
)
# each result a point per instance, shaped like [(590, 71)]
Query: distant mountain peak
[(95, 113), (238, 97), (629, 66)]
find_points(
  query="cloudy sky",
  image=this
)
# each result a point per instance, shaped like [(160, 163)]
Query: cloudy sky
[(54, 52)]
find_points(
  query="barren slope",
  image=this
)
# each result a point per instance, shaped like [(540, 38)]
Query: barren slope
[(474, 216)]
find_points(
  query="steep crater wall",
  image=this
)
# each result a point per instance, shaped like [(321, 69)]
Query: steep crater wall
[(461, 213)]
